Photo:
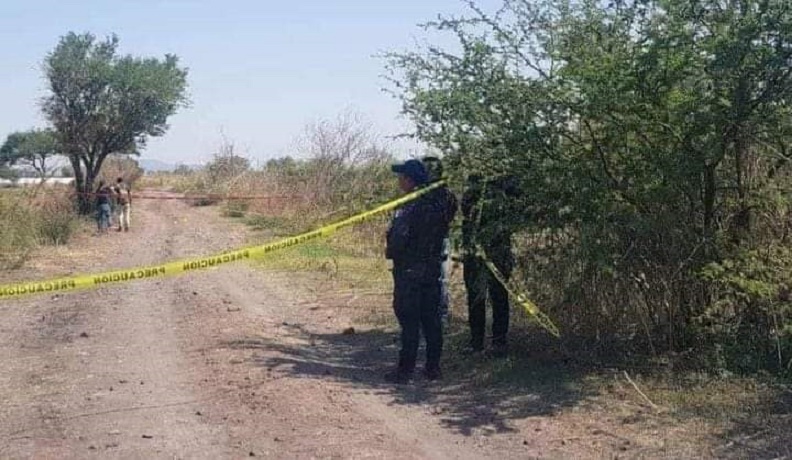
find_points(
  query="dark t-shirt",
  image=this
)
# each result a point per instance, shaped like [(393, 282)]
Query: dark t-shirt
[(103, 196), (416, 234), (489, 215)]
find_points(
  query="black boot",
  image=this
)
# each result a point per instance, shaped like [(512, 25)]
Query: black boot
[(433, 373), (474, 346), (398, 376), (500, 350)]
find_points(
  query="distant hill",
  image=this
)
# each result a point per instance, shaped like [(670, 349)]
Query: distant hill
[(155, 165), (150, 165)]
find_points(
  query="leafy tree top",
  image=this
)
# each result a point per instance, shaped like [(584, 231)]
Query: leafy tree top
[(28, 146), (102, 102)]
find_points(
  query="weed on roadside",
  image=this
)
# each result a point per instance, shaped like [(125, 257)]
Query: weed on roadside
[(17, 232)]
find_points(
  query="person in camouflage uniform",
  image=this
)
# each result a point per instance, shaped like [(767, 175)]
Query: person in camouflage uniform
[(486, 225)]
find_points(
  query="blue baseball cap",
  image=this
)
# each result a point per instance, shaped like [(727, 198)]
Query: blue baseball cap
[(413, 169)]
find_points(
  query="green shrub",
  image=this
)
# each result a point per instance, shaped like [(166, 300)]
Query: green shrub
[(203, 201), (56, 222), (17, 238), (751, 317), (236, 208)]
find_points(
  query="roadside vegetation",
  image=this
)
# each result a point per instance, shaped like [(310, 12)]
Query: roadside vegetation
[(48, 215), (650, 140), (30, 218), (640, 386)]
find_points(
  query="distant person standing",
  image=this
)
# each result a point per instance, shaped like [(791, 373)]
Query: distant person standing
[(123, 196), (434, 167), (103, 210)]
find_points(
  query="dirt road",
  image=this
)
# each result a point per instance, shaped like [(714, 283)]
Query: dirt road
[(226, 363), (237, 362)]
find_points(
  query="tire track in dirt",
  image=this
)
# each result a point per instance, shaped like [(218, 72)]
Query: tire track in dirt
[(109, 378), (277, 371), (222, 363), (241, 323)]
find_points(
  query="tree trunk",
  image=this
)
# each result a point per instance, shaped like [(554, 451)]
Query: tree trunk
[(39, 164), (710, 189), (743, 217), (83, 189), (92, 170), (96, 167)]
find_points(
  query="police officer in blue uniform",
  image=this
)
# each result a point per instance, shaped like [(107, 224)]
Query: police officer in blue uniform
[(415, 245)]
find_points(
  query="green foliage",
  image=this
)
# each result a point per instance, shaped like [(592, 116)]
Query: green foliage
[(30, 219), (8, 173), (101, 103), (56, 221), (276, 225), (751, 309), (30, 148), (347, 164), (122, 166), (219, 177), (225, 167), (236, 208), (182, 170), (285, 166), (649, 138), (17, 241)]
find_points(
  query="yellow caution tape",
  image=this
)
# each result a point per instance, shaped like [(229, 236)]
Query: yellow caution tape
[(10, 291), (530, 308)]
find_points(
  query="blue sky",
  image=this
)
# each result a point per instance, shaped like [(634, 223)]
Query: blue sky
[(259, 70)]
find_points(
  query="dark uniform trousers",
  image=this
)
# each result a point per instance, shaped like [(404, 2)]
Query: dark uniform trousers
[(479, 283), (416, 302)]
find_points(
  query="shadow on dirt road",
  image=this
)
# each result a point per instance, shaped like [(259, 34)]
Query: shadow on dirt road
[(464, 402)]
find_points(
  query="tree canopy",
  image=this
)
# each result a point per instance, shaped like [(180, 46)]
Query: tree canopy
[(650, 138), (30, 148), (103, 103)]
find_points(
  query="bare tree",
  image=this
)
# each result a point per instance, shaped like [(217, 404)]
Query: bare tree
[(337, 151)]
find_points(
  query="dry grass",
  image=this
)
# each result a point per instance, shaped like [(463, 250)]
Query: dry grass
[(694, 412), (716, 416), (32, 217), (162, 181), (17, 240)]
